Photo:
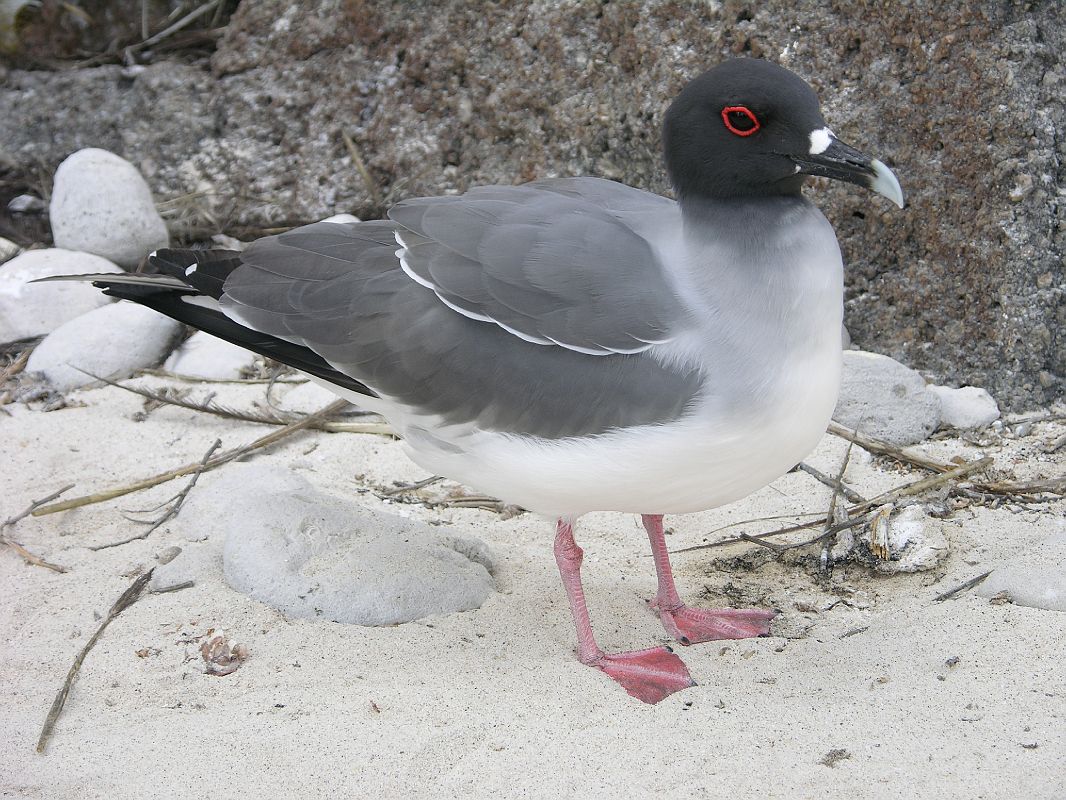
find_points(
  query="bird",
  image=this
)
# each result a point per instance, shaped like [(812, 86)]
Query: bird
[(572, 345)]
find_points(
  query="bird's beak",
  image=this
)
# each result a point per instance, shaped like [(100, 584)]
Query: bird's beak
[(831, 158)]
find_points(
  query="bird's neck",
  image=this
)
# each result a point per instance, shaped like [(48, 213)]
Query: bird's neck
[(740, 213)]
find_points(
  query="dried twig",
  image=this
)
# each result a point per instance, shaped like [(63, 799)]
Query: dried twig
[(177, 376), (16, 366), (27, 556), (857, 513), (410, 487), (834, 514), (883, 448), (189, 18), (176, 502), (917, 487), (831, 531), (177, 587), (360, 166), (261, 416), (962, 587), (263, 441), (814, 523), (125, 600), (1049, 485), (836, 484)]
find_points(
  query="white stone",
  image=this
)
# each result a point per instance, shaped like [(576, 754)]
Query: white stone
[(342, 219), (965, 408), (915, 543), (34, 309), (101, 204), (307, 398), (882, 398), (1036, 579), (112, 342), (315, 556), (205, 356)]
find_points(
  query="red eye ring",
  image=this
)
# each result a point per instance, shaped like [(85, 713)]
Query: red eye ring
[(747, 113)]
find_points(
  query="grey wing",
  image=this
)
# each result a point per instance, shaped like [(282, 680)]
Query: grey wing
[(339, 290), (554, 263)]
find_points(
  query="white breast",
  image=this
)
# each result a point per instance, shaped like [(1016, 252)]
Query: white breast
[(768, 341)]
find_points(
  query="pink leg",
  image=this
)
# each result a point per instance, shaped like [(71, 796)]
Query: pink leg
[(692, 625), (649, 675)]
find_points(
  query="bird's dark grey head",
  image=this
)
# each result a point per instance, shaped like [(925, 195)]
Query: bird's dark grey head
[(750, 128)]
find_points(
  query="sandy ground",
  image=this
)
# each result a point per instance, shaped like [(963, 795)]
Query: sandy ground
[(868, 689)]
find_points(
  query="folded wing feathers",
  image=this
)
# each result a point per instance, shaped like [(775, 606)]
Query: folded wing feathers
[(548, 262)]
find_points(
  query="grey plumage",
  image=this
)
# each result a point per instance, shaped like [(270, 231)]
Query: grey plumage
[(336, 289)]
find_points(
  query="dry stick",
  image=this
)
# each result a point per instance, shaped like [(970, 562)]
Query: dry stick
[(1053, 485), (917, 487), (27, 556), (1056, 445), (263, 441), (360, 166), (410, 487), (834, 514), (178, 499), (125, 600), (833, 483), (746, 537), (189, 18), (883, 448), (208, 406), (16, 366), (962, 587), (832, 530), (162, 373)]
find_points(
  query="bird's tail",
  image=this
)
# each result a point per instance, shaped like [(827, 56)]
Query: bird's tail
[(187, 287)]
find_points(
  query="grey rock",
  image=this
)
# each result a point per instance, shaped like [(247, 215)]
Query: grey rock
[(34, 309), (964, 100), (88, 343), (1036, 578), (205, 356), (315, 556), (965, 408), (25, 204), (102, 205), (882, 398)]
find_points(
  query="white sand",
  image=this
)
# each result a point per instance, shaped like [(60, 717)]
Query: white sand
[(492, 703)]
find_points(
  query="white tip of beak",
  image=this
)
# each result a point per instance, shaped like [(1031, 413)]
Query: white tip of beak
[(886, 184)]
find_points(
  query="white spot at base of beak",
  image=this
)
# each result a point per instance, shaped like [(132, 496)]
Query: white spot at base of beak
[(820, 141)]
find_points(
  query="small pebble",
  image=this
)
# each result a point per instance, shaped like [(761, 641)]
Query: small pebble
[(26, 204)]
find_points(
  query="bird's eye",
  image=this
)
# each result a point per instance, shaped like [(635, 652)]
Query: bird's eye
[(740, 120)]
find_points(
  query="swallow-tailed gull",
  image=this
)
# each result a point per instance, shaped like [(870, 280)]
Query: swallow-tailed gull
[(575, 344)]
